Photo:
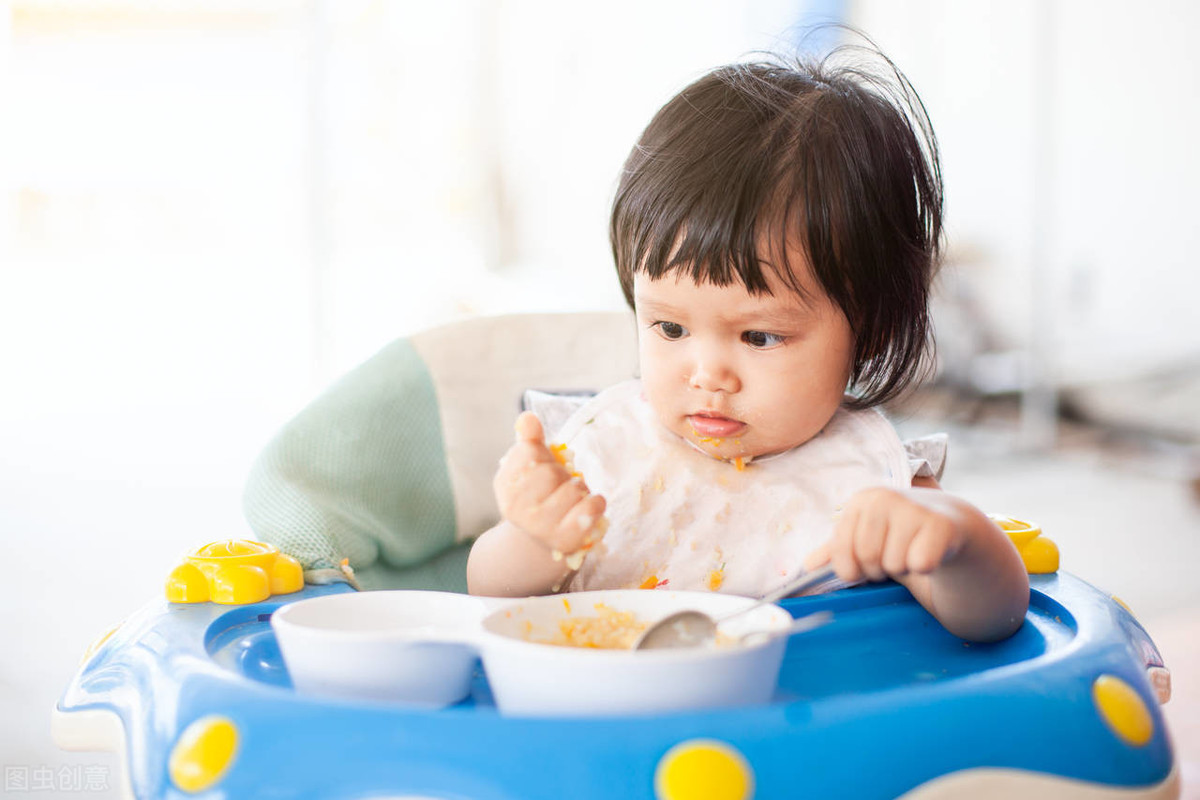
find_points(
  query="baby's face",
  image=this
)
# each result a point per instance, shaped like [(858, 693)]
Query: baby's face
[(738, 374)]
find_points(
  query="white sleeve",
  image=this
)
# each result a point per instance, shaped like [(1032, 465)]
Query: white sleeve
[(927, 455)]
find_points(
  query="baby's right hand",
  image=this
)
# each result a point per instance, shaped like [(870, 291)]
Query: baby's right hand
[(537, 494)]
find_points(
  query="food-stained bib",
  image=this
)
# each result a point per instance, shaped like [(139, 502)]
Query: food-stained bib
[(680, 519)]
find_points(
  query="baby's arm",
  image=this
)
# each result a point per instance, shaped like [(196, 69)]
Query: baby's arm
[(544, 510), (957, 563)]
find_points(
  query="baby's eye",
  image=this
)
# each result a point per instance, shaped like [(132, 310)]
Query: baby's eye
[(762, 340), (670, 330)]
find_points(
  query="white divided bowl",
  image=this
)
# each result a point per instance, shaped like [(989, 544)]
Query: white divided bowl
[(531, 679), (419, 648), (411, 647)]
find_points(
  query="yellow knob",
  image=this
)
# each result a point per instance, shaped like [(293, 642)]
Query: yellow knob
[(1123, 709), (1018, 530), (187, 584), (287, 576), (237, 584), (1040, 556), (234, 547), (703, 769), (203, 754)]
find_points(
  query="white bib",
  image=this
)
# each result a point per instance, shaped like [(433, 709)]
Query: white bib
[(681, 519)]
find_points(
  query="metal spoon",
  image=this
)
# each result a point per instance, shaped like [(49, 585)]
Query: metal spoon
[(697, 629)]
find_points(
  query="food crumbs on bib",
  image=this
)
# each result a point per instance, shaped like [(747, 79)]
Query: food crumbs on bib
[(672, 539), (739, 463), (682, 517), (644, 500), (652, 583), (716, 578), (659, 484)]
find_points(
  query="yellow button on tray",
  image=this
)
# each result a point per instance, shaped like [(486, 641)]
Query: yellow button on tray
[(234, 572), (204, 752), (703, 769), (1123, 709)]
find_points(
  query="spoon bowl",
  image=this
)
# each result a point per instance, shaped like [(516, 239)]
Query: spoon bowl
[(690, 628)]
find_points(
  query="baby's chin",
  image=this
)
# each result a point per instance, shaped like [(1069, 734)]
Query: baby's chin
[(745, 446)]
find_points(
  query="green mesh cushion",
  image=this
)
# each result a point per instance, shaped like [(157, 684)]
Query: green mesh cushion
[(446, 571), (361, 474)]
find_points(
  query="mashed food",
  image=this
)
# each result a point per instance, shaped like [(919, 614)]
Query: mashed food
[(610, 629)]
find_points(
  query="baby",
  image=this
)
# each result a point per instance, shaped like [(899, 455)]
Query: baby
[(775, 230)]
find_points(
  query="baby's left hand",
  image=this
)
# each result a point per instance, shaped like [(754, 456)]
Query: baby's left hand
[(889, 533)]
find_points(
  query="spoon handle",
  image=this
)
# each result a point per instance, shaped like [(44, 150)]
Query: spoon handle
[(805, 623), (805, 581)]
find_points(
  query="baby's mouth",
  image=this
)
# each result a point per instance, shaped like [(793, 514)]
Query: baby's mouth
[(713, 425)]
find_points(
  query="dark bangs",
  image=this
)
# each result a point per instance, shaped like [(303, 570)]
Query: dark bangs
[(833, 158)]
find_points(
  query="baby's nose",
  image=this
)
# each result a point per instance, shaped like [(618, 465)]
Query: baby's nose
[(711, 373)]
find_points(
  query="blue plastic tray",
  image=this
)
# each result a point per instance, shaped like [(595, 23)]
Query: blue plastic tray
[(878, 703)]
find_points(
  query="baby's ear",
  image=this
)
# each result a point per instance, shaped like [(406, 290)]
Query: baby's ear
[(529, 428)]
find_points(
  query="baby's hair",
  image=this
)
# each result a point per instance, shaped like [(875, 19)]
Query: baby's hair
[(831, 156)]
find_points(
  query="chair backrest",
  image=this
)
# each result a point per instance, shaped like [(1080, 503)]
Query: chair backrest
[(481, 368), (393, 464)]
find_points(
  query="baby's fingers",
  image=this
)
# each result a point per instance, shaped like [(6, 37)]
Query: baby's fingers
[(896, 548), (841, 547), (935, 542), (870, 536), (818, 557), (578, 528), (529, 429), (548, 514)]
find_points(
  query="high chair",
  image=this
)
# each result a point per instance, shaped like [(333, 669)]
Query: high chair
[(383, 481)]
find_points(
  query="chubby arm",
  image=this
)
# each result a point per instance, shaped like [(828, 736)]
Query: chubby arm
[(507, 562), (544, 510), (957, 563)]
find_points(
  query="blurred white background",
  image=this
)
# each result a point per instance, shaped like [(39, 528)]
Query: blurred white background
[(210, 210)]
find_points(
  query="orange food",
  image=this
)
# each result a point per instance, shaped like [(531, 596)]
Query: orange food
[(563, 456), (715, 579), (611, 630)]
